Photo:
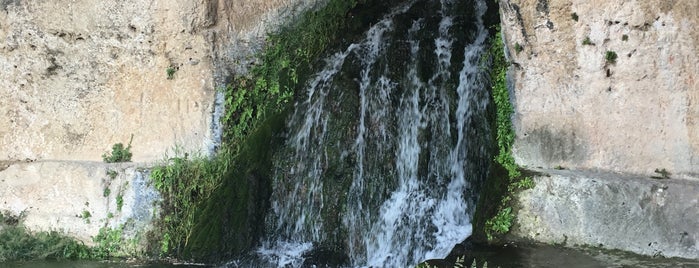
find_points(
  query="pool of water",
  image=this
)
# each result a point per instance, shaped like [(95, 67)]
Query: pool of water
[(545, 256), (507, 256), (92, 264)]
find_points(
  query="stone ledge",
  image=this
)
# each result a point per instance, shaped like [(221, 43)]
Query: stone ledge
[(614, 211), (53, 195)]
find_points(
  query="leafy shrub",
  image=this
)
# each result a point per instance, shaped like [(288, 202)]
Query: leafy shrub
[(119, 153), (501, 223), (109, 243)]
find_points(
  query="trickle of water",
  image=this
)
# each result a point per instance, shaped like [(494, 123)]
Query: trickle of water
[(385, 151)]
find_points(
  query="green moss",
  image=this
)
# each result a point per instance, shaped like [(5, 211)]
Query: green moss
[(229, 223)]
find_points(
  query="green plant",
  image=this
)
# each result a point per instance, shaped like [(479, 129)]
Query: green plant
[(17, 244), (112, 174), (610, 57), (518, 48), (509, 179), (184, 184), (574, 16), (108, 242), (501, 223), (522, 184), (587, 41), (110, 215), (106, 192), (119, 153), (119, 201), (625, 37), (501, 97), (170, 71), (664, 174), (85, 214)]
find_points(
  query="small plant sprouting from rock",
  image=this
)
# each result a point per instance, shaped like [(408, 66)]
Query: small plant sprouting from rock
[(500, 224), (106, 192), (86, 215), (119, 153), (523, 184), (625, 37), (119, 202), (663, 174), (587, 41), (112, 174), (170, 71), (574, 16), (518, 48), (610, 57)]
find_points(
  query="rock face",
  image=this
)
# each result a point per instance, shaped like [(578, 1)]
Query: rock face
[(78, 198), (576, 109), (647, 216), (609, 86), (79, 76)]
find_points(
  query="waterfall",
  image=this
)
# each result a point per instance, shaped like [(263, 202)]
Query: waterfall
[(386, 150)]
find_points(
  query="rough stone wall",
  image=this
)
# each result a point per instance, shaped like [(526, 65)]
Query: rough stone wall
[(638, 214), (77, 77), (574, 109), (78, 198)]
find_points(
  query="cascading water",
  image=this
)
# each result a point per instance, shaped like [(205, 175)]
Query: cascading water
[(386, 150)]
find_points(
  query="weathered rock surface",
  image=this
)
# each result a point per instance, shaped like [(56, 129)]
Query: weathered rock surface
[(576, 109), (639, 214), (634, 114), (78, 198), (77, 77)]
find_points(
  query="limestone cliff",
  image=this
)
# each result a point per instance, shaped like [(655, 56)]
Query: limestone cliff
[(604, 88), (79, 76), (576, 109)]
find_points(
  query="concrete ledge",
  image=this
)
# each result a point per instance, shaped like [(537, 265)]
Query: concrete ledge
[(57, 195), (658, 217)]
